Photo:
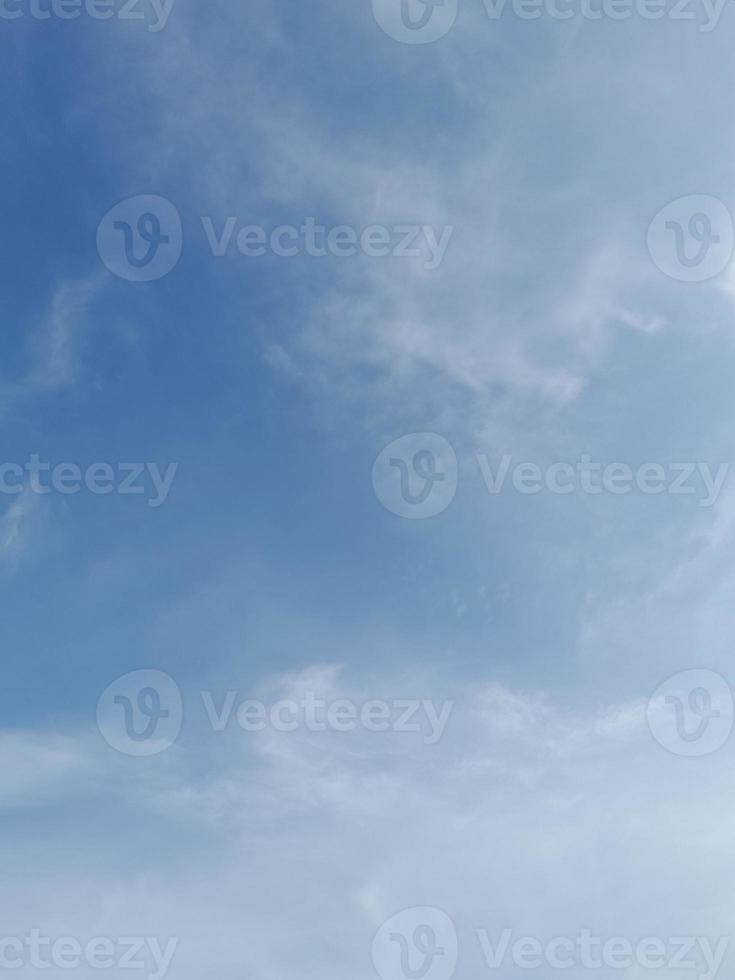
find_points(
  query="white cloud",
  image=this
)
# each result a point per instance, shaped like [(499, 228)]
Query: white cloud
[(16, 526), (526, 815), (539, 277), (54, 344), (41, 768)]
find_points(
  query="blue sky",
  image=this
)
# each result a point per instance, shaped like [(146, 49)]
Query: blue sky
[(547, 331)]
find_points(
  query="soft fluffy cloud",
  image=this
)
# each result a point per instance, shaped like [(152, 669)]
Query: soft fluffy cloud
[(525, 815)]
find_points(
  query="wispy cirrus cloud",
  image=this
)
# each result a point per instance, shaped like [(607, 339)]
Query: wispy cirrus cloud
[(54, 343)]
